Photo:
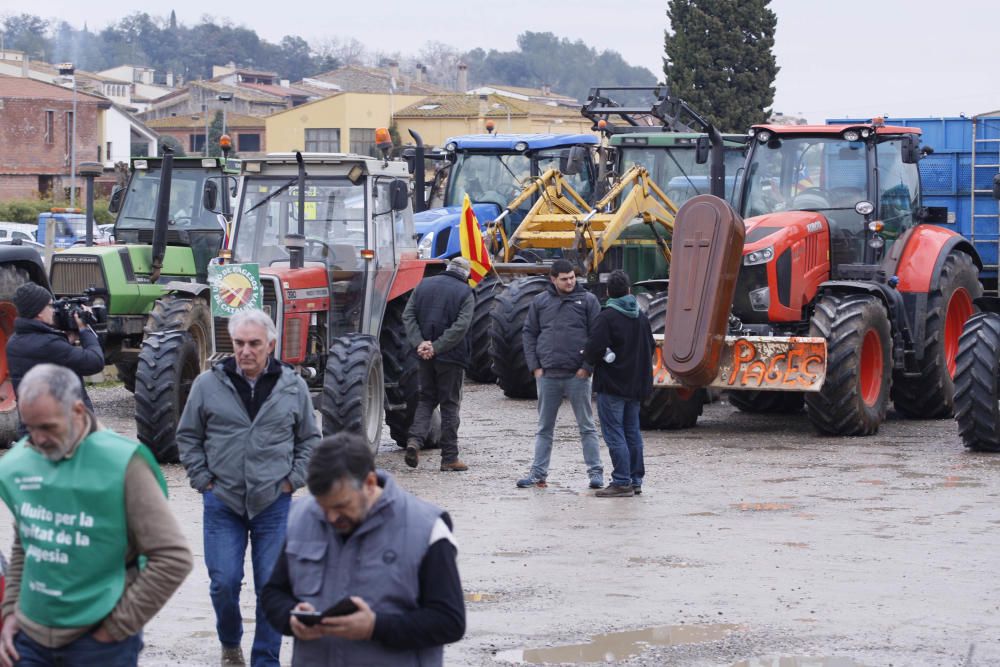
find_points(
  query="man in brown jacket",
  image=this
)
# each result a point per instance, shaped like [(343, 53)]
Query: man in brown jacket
[(96, 550)]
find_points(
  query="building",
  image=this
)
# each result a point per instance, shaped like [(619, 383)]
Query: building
[(247, 132), (144, 86), (36, 137), (543, 95), (211, 96), (438, 117), (389, 80), (340, 123)]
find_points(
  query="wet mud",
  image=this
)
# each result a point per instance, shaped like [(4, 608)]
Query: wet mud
[(755, 543)]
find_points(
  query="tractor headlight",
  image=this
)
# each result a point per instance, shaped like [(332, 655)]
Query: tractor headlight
[(864, 208), (425, 246), (851, 135), (759, 256), (760, 299), (451, 147), (763, 136), (876, 241)]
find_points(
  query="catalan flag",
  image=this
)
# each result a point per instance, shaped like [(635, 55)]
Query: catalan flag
[(473, 245)]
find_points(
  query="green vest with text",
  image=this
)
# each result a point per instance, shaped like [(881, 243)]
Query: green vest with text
[(71, 519)]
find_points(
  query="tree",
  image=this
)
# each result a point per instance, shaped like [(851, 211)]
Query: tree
[(719, 59), (214, 133), (26, 33)]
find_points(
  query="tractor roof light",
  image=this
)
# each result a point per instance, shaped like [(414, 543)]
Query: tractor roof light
[(751, 132), (490, 126), (208, 162), (763, 136), (225, 142), (252, 167), (521, 146), (878, 121), (864, 208), (140, 164), (451, 146), (865, 133), (851, 135)]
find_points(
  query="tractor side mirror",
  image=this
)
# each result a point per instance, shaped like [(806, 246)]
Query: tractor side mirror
[(702, 149), (910, 153), (571, 161), (399, 195), (115, 203), (996, 186), (210, 196)]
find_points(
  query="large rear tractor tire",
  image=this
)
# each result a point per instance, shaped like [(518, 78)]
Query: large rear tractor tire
[(126, 373), (507, 336), (669, 409), (480, 367), (855, 395), (11, 278), (977, 394), (767, 402), (932, 394), (174, 352), (353, 389)]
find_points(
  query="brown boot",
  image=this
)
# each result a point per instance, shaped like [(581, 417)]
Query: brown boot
[(232, 655), (412, 456), (454, 466)]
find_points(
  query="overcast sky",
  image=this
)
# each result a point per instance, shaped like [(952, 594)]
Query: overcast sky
[(844, 58)]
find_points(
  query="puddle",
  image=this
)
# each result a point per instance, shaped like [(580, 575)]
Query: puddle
[(481, 597), (799, 661), (955, 481), (616, 646)]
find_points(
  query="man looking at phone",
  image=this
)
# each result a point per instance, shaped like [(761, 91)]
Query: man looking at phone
[(377, 563)]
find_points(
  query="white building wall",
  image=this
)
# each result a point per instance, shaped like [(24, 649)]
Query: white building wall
[(117, 131)]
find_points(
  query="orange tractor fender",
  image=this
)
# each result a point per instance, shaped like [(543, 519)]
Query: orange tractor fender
[(410, 272), (924, 251)]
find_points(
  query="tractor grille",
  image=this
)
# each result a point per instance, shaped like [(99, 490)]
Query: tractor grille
[(73, 275), (292, 341), (223, 344)]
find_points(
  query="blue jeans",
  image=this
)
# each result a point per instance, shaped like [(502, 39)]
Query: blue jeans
[(83, 652), (226, 535), (620, 428), (550, 396)]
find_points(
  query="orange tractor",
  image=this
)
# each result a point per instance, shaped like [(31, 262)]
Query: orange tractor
[(830, 291)]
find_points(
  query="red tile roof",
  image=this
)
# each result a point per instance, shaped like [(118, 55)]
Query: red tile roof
[(25, 88)]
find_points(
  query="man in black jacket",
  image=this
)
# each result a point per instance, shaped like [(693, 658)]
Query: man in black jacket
[(437, 317), (621, 350), (37, 341)]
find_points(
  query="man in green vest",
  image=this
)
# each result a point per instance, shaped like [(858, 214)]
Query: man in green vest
[(96, 550)]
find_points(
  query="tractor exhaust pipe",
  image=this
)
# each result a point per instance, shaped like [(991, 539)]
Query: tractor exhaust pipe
[(717, 165), (296, 259), (419, 177), (159, 248)]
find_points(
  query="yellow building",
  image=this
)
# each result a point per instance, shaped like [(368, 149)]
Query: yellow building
[(437, 117), (341, 123)]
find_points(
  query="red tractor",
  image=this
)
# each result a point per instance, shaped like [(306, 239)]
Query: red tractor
[(332, 235), (839, 296)]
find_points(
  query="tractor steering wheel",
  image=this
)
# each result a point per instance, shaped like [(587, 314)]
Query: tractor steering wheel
[(323, 250), (811, 196)]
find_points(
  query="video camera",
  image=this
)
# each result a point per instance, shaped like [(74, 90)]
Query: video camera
[(65, 309)]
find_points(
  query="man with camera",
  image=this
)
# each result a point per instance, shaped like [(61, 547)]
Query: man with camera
[(36, 339)]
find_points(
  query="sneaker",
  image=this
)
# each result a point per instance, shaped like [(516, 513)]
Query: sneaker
[(615, 491), (454, 466), (596, 482), (637, 489), (530, 481), (412, 456), (232, 655)]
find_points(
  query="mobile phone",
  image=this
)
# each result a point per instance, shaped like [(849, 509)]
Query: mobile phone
[(343, 608), (307, 617)]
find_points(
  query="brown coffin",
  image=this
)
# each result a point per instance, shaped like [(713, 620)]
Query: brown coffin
[(705, 260)]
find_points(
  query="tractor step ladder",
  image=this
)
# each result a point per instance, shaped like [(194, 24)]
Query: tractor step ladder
[(985, 164)]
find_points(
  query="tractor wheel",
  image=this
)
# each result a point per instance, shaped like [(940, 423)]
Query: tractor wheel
[(669, 409), (932, 394), (126, 373), (855, 395), (399, 365), (766, 402), (11, 278), (174, 352), (487, 291), (506, 336), (977, 395), (353, 389)]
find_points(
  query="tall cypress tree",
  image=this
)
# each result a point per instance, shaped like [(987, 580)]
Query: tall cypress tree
[(719, 59)]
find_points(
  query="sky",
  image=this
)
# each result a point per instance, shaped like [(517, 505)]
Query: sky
[(850, 58)]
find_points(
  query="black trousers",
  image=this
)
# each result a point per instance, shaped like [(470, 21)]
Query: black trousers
[(440, 385)]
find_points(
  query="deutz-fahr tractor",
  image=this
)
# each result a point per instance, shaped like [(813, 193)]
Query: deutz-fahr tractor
[(154, 280), (332, 235), (838, 295), (18, 265)]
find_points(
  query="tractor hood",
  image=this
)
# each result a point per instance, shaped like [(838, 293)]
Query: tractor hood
[(443, 224), (780, 228)]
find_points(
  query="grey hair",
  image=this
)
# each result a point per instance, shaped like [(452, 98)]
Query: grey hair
[(59, 382), (256, 317)]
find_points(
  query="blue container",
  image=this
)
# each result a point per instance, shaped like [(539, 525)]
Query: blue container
[(946, 177)]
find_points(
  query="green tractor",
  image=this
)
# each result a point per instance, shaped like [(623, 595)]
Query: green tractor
[(153, 281)]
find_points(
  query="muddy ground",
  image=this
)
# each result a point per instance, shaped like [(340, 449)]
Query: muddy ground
[(755, 543)]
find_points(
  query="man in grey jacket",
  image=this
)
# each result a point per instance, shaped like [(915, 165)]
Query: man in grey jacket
[(245, 438), (556, 329)]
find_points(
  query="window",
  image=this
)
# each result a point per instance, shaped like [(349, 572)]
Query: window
[(99, 158), (50, 121), (248, 143), (323, 140), (107, 152), (197, 143), (69, 131), (363, 141)]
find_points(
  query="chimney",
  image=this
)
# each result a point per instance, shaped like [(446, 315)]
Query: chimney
[(25, 69), (394, 70), (419, 76), (170, 78), (546, 89), (285, 83), (463, 77)]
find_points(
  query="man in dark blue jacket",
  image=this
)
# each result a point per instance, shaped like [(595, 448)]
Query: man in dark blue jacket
[(437, 317), (621, 350), (558, 324), (37, 341)]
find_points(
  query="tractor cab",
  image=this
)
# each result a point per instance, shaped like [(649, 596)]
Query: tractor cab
[(862, 180)]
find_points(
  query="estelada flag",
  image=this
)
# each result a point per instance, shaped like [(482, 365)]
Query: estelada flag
[(473, 245)]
